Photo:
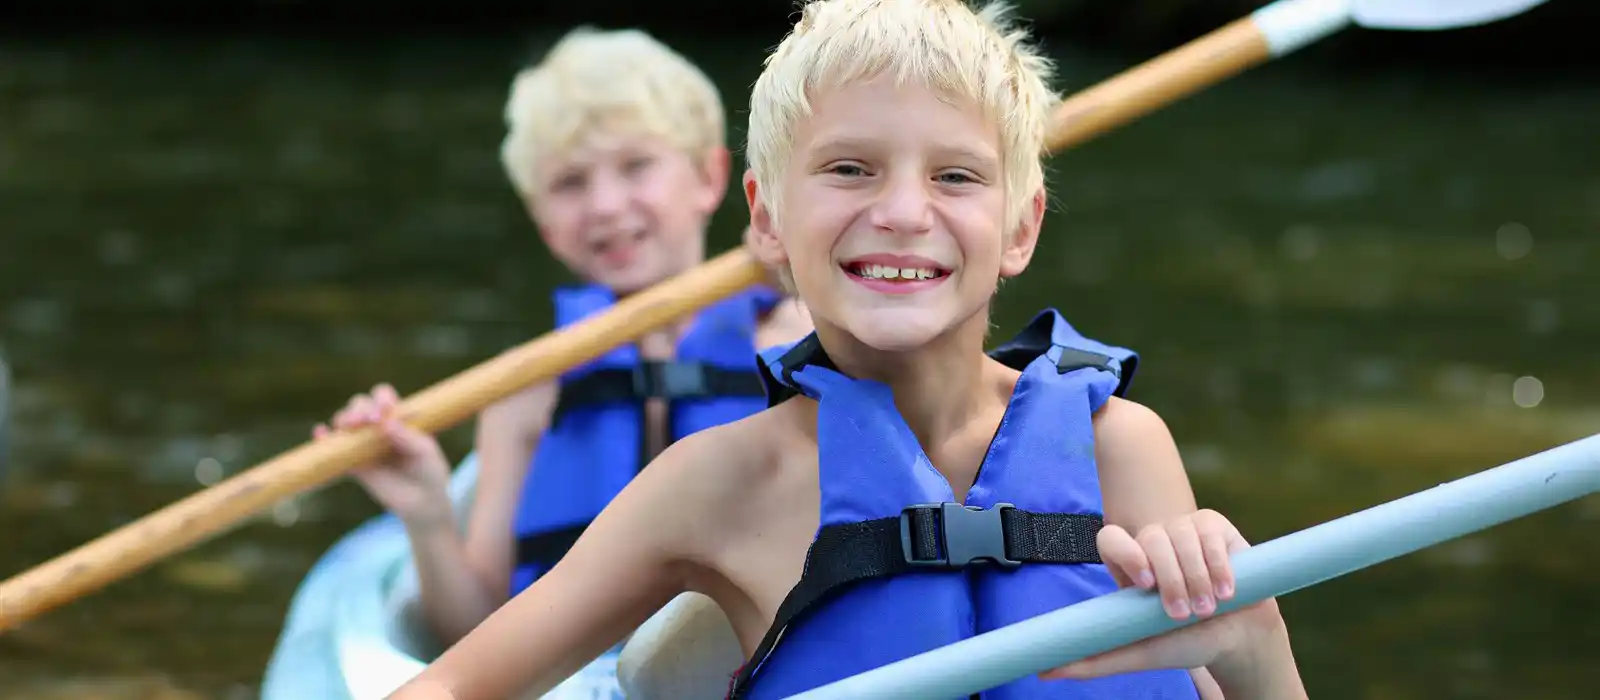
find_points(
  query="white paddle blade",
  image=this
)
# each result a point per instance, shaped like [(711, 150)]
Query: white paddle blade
[(1435, 14)]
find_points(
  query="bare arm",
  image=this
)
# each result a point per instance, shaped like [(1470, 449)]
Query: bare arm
[(1267, 671), (1141, 475), (1144, 483), (464, 579), (633, 558)]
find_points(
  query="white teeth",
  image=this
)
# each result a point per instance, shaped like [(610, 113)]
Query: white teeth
[(890, 273)]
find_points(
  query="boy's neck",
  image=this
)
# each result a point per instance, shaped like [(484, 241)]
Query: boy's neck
[(938, 388)]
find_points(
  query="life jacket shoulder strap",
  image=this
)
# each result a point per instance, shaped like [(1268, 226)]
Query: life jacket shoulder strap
[(1049, 331), (1046, 333), (938, 537)]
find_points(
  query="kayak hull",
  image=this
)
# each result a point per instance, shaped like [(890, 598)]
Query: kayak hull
[(354, 630)]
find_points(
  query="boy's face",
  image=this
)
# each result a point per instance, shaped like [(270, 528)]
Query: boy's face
[(892, 210), (627, 210)]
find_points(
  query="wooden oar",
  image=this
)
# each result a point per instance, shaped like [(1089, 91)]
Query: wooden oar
[(1270, 32)]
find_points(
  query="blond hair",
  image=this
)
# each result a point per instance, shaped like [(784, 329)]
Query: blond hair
[(622, 80), (978, 55)]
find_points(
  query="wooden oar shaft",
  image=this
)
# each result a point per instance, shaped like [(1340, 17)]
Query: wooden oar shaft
[(215, 510), (218, 509), (1158, 82)]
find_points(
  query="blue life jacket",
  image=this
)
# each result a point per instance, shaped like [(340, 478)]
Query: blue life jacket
[(596, 441), (897, 567)]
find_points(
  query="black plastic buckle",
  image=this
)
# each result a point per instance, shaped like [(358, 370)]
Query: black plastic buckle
[(967, 534), (670, 380), (1075, 359)]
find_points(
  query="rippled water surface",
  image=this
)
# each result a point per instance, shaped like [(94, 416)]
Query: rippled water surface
[(1344, 289)]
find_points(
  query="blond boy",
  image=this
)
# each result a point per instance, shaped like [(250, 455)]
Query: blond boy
[(895, 176), (615, 145)]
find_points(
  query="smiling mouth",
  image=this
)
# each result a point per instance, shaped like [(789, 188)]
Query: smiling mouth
[(614, 242), (887, 273)]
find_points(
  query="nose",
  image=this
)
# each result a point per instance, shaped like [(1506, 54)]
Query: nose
[(608, 194), (904, 205)]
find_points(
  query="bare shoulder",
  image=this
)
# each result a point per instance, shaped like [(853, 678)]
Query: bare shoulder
[(1142, 479), (1122, 424), (787, 322), (731, 459), (711, 474)]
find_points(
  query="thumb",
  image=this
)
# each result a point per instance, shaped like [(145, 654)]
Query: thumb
[(408, 441), (1134, 657), (1124, 558)]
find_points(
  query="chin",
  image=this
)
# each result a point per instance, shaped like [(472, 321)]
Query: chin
[(633, 279), (898, 331)]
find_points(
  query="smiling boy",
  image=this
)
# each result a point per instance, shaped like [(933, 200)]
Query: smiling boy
[(615, 146), (895, 178)]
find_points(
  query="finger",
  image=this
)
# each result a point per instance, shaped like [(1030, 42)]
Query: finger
[(1169, 574), (319, 431), (1186, 545), (385, 397), (370, 413), (347, 419), (406, 439), (1214, 545), (353, 406), (355, 415), (1124, 558), (1236, 541)]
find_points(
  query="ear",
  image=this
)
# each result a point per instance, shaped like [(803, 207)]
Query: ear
[(1020, 246), (762, 236), (714, 169)]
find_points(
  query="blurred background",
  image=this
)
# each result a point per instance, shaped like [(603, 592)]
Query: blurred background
[(1353, 274)]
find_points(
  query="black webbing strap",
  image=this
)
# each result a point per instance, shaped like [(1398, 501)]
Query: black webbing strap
[(547, 548), (657, 380), (940, 537)]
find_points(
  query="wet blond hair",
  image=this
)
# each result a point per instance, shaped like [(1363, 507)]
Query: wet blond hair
[(619, 80), (973, 54)]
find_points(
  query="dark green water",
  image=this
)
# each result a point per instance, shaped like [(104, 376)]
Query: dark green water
[(1336, 282)]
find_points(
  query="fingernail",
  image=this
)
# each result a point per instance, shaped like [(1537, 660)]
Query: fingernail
[(1146, 579), (1225, 591), (1202, 604), (1180, 609)]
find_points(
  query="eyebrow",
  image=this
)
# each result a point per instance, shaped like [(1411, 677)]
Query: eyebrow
[(951, 149)]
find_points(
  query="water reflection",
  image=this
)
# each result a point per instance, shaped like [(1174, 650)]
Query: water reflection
[(1340, 302)]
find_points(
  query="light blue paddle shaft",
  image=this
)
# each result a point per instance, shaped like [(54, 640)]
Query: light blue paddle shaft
[(1267, 570)]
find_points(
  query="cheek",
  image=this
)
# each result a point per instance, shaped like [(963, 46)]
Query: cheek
[(982, 243), (809, 244), (560, 226), (672, 197)]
